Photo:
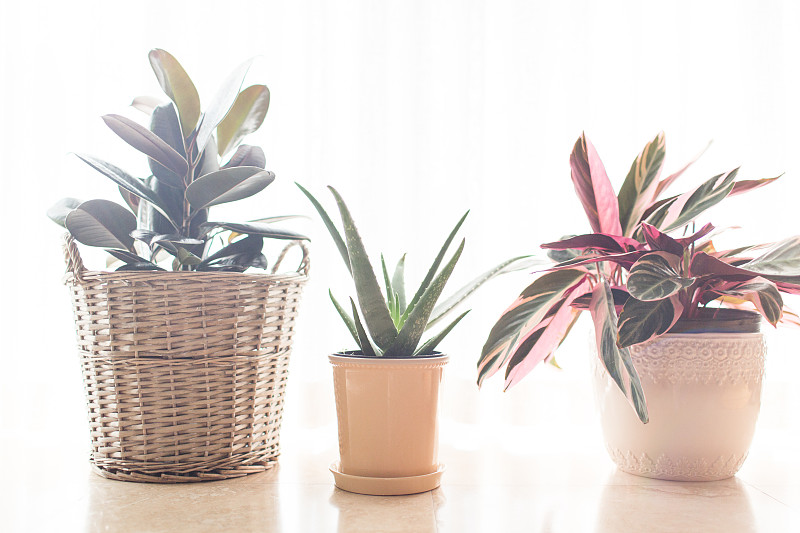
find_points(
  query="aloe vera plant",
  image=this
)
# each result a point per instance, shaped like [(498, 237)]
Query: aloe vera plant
[(196, 161), (382, 320), (635, 279)]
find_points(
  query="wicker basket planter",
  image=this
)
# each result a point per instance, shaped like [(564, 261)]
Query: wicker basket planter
[(184, 372)]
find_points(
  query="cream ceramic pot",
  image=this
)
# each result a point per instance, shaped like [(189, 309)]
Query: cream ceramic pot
[(703, 393), (387, 411)]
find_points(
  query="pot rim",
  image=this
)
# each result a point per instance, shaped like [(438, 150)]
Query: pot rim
[(343, 357)]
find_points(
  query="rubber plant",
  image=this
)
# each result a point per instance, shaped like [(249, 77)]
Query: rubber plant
[(196, 161), (392, 325), (634, 278)]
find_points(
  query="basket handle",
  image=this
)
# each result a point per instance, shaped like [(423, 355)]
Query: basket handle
[(72, 257), (305, 264)]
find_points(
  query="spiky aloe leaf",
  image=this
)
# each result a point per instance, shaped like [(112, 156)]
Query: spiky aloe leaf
[(337, 237), (399, 283), (348, 321), (430, 345), (639, 188), (409, 336), (431, 271), (390, 300), (376, 314), (512, 265), (363, 338), (616, 360)]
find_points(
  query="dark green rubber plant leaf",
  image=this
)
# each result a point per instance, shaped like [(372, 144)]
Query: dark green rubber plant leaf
[(165, 124), (616, 360), (247, 156), (331, 227), (242, 252), (130, 258), (376, 314), (640, 321), (655, 277), (414, 326), (245, 116), (639, 188), (227, 185), (221, 104), (58, 212), (102, 223), (178, 86), (147, 142), (129, 183), (253, 228)]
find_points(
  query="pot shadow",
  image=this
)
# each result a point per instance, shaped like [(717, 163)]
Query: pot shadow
[(630, 502), (361, 512)]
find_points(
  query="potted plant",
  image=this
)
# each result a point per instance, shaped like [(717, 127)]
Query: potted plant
[(676, 320), (184, 354), (387, 390)]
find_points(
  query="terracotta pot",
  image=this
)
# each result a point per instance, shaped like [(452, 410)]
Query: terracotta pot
[(703, 393), (387, 411)]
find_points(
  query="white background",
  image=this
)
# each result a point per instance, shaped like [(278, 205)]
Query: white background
[(415, 111)]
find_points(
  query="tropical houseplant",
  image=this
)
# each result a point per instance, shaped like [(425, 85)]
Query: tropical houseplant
[(387, 390), (184, 353), (670, 330)]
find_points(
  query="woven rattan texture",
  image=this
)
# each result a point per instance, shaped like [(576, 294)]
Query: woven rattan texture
[(185, 372)]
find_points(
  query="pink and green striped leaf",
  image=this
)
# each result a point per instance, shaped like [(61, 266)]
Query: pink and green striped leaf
[(594, 188), (748, 185), (539, 343), (682, 210), (522, 316), (598, 241), (761, 292), (669, 180), (641, 321), (639, 188), (661, 241), (657, 276), (616, 360)]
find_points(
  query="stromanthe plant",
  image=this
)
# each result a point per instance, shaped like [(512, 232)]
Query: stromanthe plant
[(196, 161), (635, 280), (384, 323)]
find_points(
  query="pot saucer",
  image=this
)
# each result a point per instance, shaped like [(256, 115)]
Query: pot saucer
[(386, 486)]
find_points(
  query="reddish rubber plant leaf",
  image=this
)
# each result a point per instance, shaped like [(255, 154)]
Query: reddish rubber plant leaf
[(594, 188)]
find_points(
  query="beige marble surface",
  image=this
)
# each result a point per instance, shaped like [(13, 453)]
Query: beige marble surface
[(531, 459)]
